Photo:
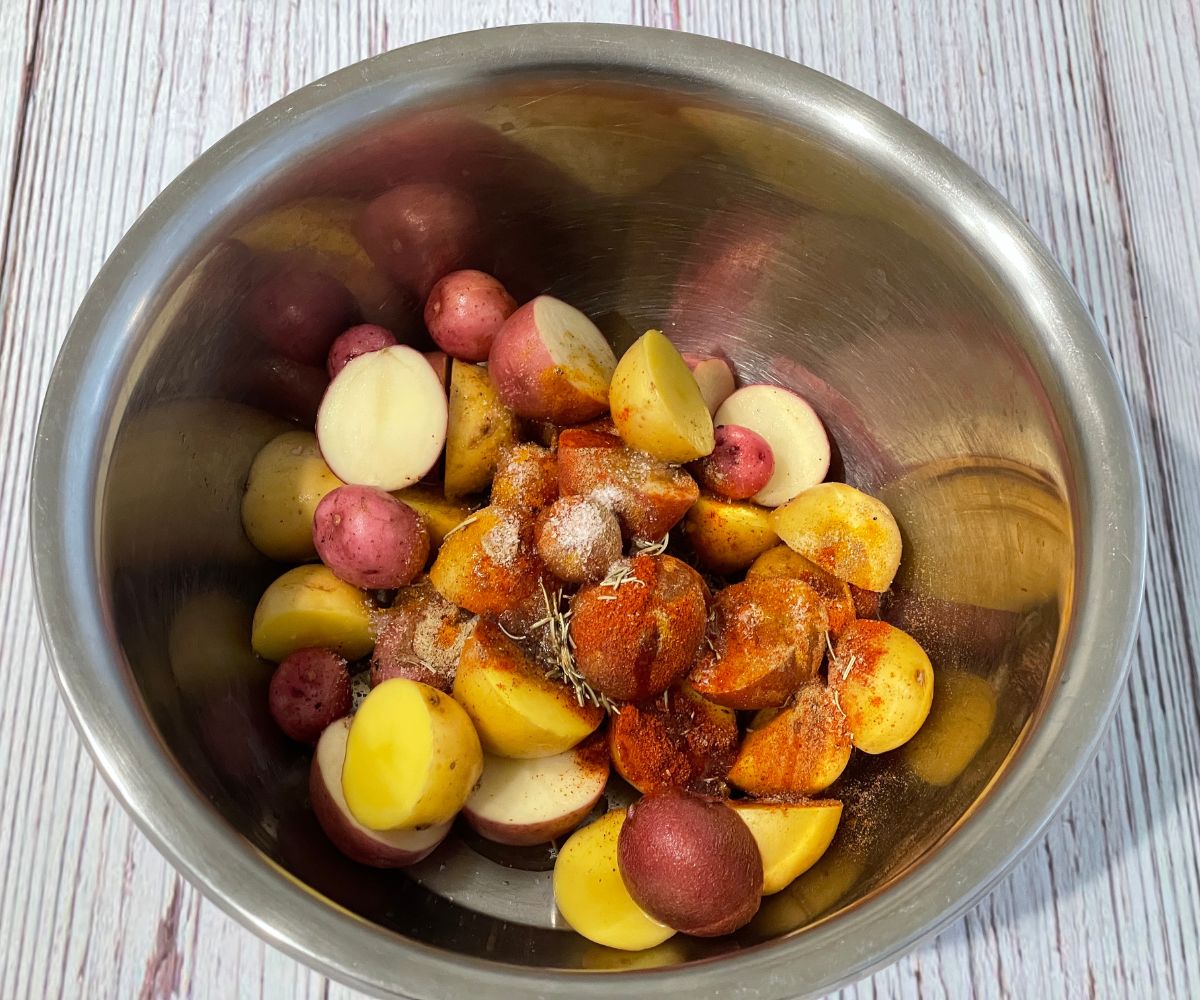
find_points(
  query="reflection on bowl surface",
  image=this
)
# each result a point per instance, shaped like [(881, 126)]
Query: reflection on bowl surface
[(783, 234)]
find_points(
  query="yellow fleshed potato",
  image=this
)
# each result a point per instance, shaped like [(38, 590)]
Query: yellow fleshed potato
[(480, 428), (591, 894), (309, 606), (963, 713), (288, 478), (844, 531), (517, 710), (656, 403), (884, 683), (801, 749), (728, 535), (412, 757), (441, 516), (791, 836)]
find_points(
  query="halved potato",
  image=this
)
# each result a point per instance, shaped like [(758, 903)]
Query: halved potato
[(844, 531), (791, 836), (412, 758), (441, 516), (309, 606), (518, 711), (480, 428), (839, 598)]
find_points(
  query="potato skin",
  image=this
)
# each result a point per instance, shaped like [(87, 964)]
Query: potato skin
[(690, 862), (634, 641), (288, 479), (309, 690), (298, 312), (533, 384), (465, 311), (726, 536), (740, 465), (361, 339), (369, 538), (768, 638)]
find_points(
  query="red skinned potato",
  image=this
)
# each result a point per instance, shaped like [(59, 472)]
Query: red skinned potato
[(383, 420), (465, 311), (377, 848), (309, 689), (690, 862), (740, 465), (420, 637), (550, 362), (369, 538), (361, 339), (298, 312), (416, 233), (534, 800), (793, 431)]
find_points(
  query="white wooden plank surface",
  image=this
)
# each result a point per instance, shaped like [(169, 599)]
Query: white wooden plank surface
[(1084, 115)]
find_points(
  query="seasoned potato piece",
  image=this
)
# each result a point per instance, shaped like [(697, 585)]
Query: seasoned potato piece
[(518, 711), (526, 478), (800, 750), (649, 496), (480, 428), (489, 565), (838, 596), (768, 638), (636, 636), (844, 531), (309, 606), (419, 637), (728, 535), (884, 683), (677, 741)]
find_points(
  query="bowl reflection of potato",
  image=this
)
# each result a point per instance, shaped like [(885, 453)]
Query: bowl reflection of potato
[(963, 713)]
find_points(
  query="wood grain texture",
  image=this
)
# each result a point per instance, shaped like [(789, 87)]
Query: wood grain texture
[(1085, 116)]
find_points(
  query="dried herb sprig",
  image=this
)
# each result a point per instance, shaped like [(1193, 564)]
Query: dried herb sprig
[(557, 622)]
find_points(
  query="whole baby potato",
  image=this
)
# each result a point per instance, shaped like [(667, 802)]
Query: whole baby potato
[(740, 465), (361, 339), (465, 311), (369, 538), (578, 539), (690, 862), (309, 690), (298, 312)]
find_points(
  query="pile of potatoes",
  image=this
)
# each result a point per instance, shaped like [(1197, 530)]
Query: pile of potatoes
[(550, 564)]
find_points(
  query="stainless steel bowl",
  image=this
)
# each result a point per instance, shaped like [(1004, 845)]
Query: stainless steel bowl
[(746, 205)]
